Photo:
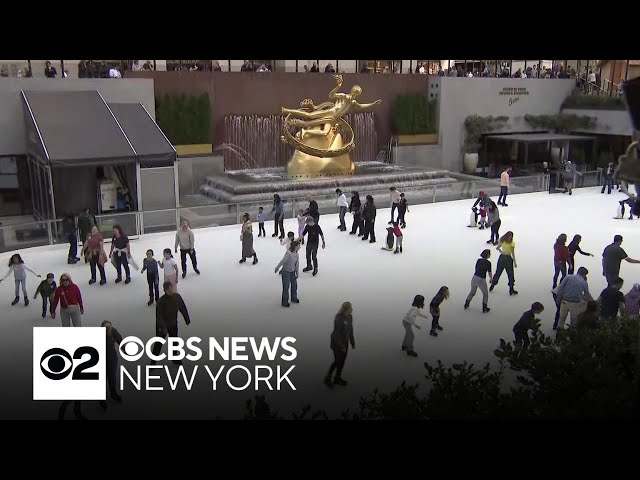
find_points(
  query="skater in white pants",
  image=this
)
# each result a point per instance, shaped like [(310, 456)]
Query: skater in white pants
[(19, 269)]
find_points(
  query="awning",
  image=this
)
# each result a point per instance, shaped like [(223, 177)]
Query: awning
[(539, 137), (75, 128), (152, 147)]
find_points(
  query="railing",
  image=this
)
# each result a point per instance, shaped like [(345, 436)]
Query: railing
[(41, 233)]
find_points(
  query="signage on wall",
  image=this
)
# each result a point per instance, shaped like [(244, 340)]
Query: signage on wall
[(514, 93)]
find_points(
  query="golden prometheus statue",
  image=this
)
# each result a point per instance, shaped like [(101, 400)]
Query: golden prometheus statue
[(320, 148)]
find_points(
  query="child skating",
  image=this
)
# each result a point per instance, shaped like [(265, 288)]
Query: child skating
[(434, 310), (286, 242), (150, 265), (260, 219), (527, 322), (398, 234), (46, 289), (302, 222), (170, 267), (389, 241), (402, 210), (409, 321), (19, 269)]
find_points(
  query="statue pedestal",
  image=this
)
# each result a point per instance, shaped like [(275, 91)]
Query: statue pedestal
[(303, 165)]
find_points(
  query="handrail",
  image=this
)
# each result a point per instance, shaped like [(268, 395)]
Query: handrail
[(48, 224)]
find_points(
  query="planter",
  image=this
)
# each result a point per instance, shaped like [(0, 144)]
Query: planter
[(420, 139), (196, 149), (470, 162)]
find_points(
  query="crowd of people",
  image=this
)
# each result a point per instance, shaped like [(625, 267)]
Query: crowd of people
[(570, 289)]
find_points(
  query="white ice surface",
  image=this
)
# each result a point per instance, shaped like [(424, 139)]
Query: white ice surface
[(230, 299)]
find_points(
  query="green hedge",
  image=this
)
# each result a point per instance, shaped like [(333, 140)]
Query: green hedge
[(594, 102), (561, 123), (414, 114), (185, 119)]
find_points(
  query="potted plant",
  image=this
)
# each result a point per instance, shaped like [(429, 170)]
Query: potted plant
[(475, 127)]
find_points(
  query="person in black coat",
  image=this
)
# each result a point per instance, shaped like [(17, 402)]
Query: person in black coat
[(314, 235), (369, 212), (167, 309), (341, 336), (312, 210), (355, 207), (69, 231)]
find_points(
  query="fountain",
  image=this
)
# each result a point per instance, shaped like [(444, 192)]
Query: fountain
[(317, 144)]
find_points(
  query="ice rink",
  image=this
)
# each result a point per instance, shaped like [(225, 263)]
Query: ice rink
[(229, 299)]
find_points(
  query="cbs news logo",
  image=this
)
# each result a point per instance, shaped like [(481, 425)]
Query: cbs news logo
[(69, 363)]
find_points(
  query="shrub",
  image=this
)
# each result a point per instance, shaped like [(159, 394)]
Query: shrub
[(185, 120), (562, 122), (476, 126), (414, 114), (594, 102)]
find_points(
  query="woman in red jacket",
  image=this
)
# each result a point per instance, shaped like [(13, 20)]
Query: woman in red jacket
[(70, 299), (560, 258)]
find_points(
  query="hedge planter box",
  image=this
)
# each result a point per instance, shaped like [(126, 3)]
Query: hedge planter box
[(420, 139), (197, 149)]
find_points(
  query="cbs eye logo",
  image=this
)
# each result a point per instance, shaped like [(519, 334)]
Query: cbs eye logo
[(69, 363), (57, 364), (132, 349)]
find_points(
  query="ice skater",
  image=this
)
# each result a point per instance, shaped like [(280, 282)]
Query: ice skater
[(46, 289), (341, 337), (121, 247), (302, 222), (612, 257), (568, 176), (70, 299), (397, 232), (506, 261), (504, 186), (479, 280), (409, 321), (260, 220), (574, 246), (150, 265), (94, 252), (403, 209), (560, 258), (388, 244), (315, 234), (113, 338), (186, 240), (355, 207), (246, 237), (288, 268), (527, 322), (481, 204), (286, 242), (395, 203), (573, 295), (19, 270), (312, 210), (278, 216), (369, 212), (631, 201), (167, 310), (170, 267), (494, 222), (434, 310), (607, 178), (343, 206)]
